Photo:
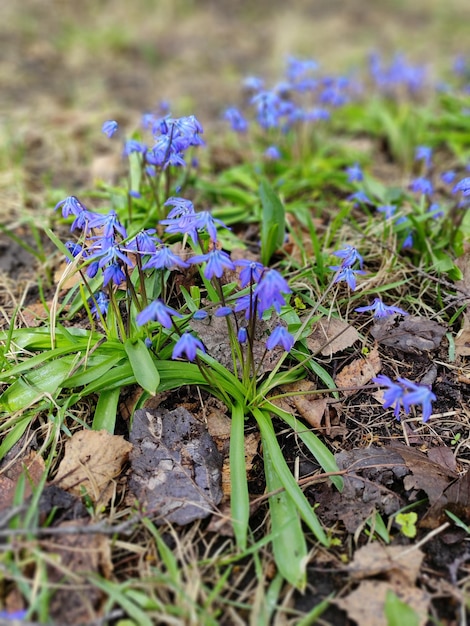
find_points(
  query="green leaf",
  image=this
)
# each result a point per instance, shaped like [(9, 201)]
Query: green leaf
[(15, 434), (289, 547), (239, 499), (44, 381), (96, 366), (143, 365), (320, 452), (106, 410), (270, 444), (398, 613), (273, 222)]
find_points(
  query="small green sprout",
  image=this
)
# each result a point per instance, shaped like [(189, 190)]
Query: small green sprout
[(407, 523)]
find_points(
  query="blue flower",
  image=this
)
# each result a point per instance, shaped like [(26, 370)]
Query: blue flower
[(268, 106), (360, 197), (280, 337), (435, 210), (200, 315), (253, 83), (272, 153), (463, 186), (354, 173), (269, 291), (242, 335), (204, 220), (13, 615), (236, 119), (388, 210), (132, 145), (71, 206), (347, 274), (247, 303), (187, 345), (223, 311), (406, 393), (157, 311), (380, 309), (164, 258), (75, 249), (349, 255), (144, 242), (109, 223), (422, 185), (448, 177), (181, 206), (113, 272), (102, 304), (109, 128), (419, 395), (424, 153), (393, 396), (217, 261), (251, 272)]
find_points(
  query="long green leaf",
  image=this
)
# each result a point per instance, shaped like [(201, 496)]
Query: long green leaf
[(289, 547), (96, 366), (29, 388), (273, 222), (321, 453), (239, 498), (106, 410), (285, 476), (143, 365)]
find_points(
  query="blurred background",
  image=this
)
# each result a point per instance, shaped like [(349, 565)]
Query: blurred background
[(66, 66)]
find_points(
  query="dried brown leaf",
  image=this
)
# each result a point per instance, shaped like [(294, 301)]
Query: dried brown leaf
[(330, 336), (366, 604), (31, 465), (359, 372), (462, 340), (92, 460), (374, 559), (410, 334)]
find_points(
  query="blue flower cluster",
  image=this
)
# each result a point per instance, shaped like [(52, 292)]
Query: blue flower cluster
[(303, 95), (404, 394), (105, 250)]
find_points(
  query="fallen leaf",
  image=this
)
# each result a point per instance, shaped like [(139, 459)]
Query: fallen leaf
[(359, 372), (410, 334), (426, 475), (375, 559), (366, 604), (330, 336), (372, 473), (35, 314), (309, 406), (444, 456), (31, 465), (73, 557), (399, 567), (462, 339), (92, 460), (176, 467)]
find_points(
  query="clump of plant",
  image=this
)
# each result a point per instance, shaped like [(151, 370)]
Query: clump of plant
[(154, 277)]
